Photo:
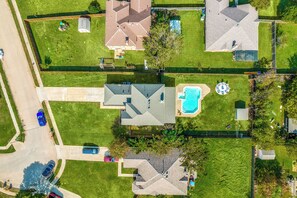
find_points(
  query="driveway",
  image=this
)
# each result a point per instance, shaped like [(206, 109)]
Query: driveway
[(75, 153), (74, 94), (38, 148)]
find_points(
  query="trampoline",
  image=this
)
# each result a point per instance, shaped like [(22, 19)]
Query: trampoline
[(222, 88), (175, 26)]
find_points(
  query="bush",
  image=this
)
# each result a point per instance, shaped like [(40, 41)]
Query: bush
[(94, 7)]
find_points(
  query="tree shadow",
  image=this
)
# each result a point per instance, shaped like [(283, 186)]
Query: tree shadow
[(33, 181), (293, 61), (282, 6), (240, 104)]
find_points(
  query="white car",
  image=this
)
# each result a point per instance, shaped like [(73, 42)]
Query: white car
[(1, 54)]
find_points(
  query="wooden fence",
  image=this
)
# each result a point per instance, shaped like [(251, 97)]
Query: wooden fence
[(55, 18)]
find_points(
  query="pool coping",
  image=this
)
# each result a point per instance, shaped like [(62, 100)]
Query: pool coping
[(179, 89)]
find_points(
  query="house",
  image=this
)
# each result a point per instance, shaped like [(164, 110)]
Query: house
[(145, 104), (266, 154), (230, 28), (242, 114), (158, 175), (84, 25), (127, 23), (292, 125)]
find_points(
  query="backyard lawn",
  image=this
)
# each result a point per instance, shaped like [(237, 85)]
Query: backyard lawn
[(228, 170), (96, 179), (277, 111), (265, 38), (45, 7), (85, 79), (7, 130), (178, 2), (286, 51), (193, 54), (284, 159), (217, 112), (81, 123), (71, 48)]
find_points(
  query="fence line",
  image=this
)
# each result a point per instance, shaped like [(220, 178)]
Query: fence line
[(54, 18)]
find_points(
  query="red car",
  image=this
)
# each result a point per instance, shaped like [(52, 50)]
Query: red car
[(110, 159), (53, 195)]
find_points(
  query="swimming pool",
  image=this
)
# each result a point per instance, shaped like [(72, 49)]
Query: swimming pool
[(190, 99)]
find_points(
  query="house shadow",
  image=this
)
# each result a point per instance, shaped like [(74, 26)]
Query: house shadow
[(240, 104)]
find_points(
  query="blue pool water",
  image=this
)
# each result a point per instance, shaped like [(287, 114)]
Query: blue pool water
[(190, 100)]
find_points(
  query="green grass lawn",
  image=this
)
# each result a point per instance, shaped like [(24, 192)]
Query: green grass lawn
[(193, 54), (81, 123), (277, 113), (71, 48), (85, 79), (44, 7), (228, 170), (178, 2), (284, 159), (286, 51), (96, 179), (265, 41), (217, 111), (7, 130)]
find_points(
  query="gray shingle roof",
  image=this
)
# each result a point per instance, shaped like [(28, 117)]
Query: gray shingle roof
[(150, 104), (158, 174), (230, 28)]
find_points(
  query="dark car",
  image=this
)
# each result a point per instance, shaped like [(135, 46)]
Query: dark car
[(110, 159), (90, 150), (53, 195), (41, 118), (49, 169)]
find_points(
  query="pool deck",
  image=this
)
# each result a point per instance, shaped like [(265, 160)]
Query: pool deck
[(179, 89)]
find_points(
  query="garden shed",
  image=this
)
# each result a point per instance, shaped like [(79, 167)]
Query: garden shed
[(242, 114), (266, 154), (84, 25), (292, 125)]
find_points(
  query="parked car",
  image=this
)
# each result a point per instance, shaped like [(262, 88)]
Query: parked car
[(49, 169), (110, 159), (53, 195), (41, 118), (90, 150)]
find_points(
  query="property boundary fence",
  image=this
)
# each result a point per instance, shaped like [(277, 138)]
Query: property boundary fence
[(253, 173), (53, 18)]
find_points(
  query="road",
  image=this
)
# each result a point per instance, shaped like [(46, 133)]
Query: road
[(38, 147)]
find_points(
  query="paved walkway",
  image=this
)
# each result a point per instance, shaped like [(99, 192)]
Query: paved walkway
[(74, 94), (12, 115), (120, 174), (38, 147), (75, 153)]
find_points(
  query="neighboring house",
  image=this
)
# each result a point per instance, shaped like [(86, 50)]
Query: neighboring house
[(292, 125), (230, 28), (145, 104), (242, 114), (158, 175), (84, 25), (266, 154), (127, 23)]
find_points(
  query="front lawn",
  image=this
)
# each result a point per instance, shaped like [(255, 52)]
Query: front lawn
[(217, 111), (228, 170), (95, 179), (174, 2), (265, 41), (96, 79), (49, 7), (71, 48), (81, 123), (286, 51), (193, 51), (7, 130)]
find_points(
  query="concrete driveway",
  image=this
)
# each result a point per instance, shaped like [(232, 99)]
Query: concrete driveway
[(74, 94), (75, 153), (38, 146)]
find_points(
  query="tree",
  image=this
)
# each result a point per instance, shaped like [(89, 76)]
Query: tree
[(263, 63), (119, 148), (290, 14), (161, 45), (194, 154), (260, 4), (94, 7), (289, 97)]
